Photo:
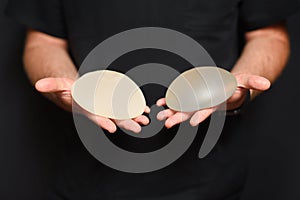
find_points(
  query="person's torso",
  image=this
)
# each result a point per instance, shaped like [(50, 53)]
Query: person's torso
[(214, 25)]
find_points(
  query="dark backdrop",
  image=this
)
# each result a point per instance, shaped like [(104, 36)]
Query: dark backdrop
[(27, 140), (274, 136)]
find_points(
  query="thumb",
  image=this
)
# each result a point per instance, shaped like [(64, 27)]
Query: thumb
[(253, 82), (48, 85)]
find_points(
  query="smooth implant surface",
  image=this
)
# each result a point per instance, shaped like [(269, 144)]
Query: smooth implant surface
[(109, 94), (200, 88)]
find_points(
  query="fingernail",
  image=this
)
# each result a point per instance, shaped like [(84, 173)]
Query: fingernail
[(137, 131), (267, 84), (194, 121), (160, 116), (169, 125), (112, 130), (146, 122), (41, 85), (194, 124), (147, 110)]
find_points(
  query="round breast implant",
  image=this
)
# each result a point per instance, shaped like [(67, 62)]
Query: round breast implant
[(200, 88), (109, 94)]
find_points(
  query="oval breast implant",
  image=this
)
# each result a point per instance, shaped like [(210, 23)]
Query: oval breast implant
[(109, 94), (200, 88)]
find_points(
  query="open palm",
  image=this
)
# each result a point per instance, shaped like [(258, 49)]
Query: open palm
[(245, 82), (58, 90)]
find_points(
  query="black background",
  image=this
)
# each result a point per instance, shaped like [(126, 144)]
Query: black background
[(274, 136)]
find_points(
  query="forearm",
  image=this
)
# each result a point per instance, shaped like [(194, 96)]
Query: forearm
[(45, 56), (265, 54)]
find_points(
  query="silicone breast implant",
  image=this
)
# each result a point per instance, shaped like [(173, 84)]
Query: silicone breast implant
[(200, 88), (109, 94)]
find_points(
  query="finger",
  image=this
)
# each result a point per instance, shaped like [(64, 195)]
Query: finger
[(142, 120), (238, 95), (129, 125), (161, 102), (103, 122), (231, 105), (253, 82), (49, 85), (164, 114), (147, 110), (259, 83), (177, 118), (201, 115)]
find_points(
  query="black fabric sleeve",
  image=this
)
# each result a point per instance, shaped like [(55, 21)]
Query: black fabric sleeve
[(42, 15), (255, 14)]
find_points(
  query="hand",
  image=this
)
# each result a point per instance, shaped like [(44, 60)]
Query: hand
[(58, 90), (245, 82), (254, 83)]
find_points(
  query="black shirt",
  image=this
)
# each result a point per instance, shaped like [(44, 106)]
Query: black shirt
[(218, 25)]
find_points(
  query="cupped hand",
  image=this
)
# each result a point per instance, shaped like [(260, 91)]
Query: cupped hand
[(58, 90), (246, 82)]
